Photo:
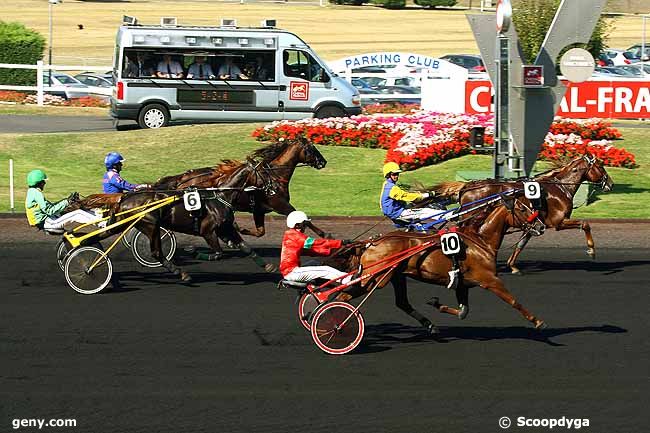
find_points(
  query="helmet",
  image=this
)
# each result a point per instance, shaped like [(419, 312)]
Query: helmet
[(111, 159), (391, 167), (296, 217), (36, 176)]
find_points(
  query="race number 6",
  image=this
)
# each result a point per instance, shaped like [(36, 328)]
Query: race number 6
[(450, 243), (192, 200), (532, 190)]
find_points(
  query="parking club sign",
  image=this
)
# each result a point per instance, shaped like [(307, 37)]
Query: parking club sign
[(299, 91)]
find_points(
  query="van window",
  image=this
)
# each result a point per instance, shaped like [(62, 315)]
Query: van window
[(300, 64)]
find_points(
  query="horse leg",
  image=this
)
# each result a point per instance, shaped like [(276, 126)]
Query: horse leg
[(569, 224), (496, 286), (212, 240), (402, 302), (463, 303), (258, 217), (152, 231), (246, 249), (515, 254)]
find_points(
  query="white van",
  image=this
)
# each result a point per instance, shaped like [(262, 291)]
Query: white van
[(227, 73)]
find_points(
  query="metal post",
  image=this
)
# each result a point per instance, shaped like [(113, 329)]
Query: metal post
[(49, 61), (11, 185), (643, 40), (502, 118), (39, 83)]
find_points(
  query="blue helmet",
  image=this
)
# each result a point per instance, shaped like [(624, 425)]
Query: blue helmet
[(112, 158)]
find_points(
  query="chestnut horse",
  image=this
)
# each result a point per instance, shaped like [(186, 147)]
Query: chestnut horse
[(559, 187), (481, 236), (267, 173)]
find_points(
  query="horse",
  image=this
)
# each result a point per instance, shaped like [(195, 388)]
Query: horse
[(481, 237), (267, 171), (559, 186)]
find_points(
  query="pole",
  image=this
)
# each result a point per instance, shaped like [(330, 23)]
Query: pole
[(49, 62), (39, 83), (643, 40), (502, 118), (11, 185)]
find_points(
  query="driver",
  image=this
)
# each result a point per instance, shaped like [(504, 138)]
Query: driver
[(112, 181), (295, 243), (46, 215), (394, 199)]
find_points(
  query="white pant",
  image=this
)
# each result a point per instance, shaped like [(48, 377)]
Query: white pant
[(422, 213), (310, 273), (77, 216)]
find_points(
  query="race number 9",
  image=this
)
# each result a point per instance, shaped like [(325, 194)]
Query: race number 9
[(450, 243), (192, 200), (532, 190)]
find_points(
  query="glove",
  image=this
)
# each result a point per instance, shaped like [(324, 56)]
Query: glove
[(426, 195), (142, 186), (346, 241), (73, 197)]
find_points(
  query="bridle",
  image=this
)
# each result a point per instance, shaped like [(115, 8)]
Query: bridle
[(526, 225)]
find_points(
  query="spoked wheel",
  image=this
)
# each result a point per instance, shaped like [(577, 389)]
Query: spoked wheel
[(127, 239), (79, 275), (307, 304), (142, 248), (329, 333), (62, 251)]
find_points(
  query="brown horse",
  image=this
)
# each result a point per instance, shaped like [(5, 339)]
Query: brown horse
[(267, 173), (482, 237), (559, 187)]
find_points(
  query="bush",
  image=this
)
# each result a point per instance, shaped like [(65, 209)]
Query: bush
[(435, 3), (349, 2), (390, 4), (18, 44)]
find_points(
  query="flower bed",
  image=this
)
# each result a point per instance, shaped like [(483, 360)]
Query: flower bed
[(425, 138), (394, 108), (12, 96)]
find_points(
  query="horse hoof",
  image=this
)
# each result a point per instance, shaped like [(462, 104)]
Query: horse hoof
[(270, 268), (591, 253), (433, 329), (517, 272), (540, 324), (185, 277)]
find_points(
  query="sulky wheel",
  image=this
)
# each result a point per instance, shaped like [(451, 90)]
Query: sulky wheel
[(79, 275), (306, 306), (127, 239), (142, 248), (328, 331), (62, 250)]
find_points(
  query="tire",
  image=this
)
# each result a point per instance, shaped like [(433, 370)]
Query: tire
[(325, 328), (77, 274), (307, 305), (141, 248), (329, 111), (127, 239), (62, 251), (153, 116)]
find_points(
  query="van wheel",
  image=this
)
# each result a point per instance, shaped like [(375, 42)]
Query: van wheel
[(329, 111), (153, 116)]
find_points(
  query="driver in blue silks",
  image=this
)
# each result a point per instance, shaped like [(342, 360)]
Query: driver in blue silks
[(113, 182)]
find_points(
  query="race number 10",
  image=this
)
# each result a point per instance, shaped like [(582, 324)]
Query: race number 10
[(532, 190), (192, 200), (450, 243)]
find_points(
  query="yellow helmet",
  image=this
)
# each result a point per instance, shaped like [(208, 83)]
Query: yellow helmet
[(391, 167)]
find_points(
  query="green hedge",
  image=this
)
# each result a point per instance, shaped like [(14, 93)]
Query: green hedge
[(349, 2), (18, 44), (434, 3), (390, 4)]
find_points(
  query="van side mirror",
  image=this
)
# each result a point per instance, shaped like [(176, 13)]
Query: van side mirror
[(324, 78)]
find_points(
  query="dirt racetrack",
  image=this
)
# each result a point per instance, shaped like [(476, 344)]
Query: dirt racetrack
[(226, 354)]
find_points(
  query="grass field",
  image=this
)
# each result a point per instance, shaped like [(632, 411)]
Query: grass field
[(333, 31), (349, 185)]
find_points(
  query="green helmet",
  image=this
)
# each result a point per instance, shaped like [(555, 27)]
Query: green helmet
[(36, 176)]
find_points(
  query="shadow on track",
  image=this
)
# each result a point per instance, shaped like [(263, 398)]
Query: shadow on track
[(379, 338), (606, 268)]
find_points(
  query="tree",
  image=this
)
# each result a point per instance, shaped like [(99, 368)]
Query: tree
[(18, 44), (532, 20)]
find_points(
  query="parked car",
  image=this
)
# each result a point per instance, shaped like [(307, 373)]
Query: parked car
[(612, 72), (604, 60), (620, 57), (472, 62), (73, 88), (636, 51), (369, 100), (640, 70), (401, 90), (360, 84), (377, 82), (98, 84)]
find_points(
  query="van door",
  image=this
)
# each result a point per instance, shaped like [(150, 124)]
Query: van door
[(306, 83)]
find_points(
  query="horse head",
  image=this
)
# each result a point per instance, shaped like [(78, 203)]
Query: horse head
[(309, 154), (596, 173), (522, 216)]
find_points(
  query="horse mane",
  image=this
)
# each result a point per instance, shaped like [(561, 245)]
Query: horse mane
[(95, 201), (270, 152)]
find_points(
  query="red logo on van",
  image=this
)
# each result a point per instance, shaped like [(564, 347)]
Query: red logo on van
[(299, 91)]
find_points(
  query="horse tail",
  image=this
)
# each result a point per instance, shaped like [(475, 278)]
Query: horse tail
[(449, 190)]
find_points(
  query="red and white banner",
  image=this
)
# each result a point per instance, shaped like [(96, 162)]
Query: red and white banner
[(603, 99)]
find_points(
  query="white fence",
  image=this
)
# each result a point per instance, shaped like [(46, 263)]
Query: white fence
[(40, 68)]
